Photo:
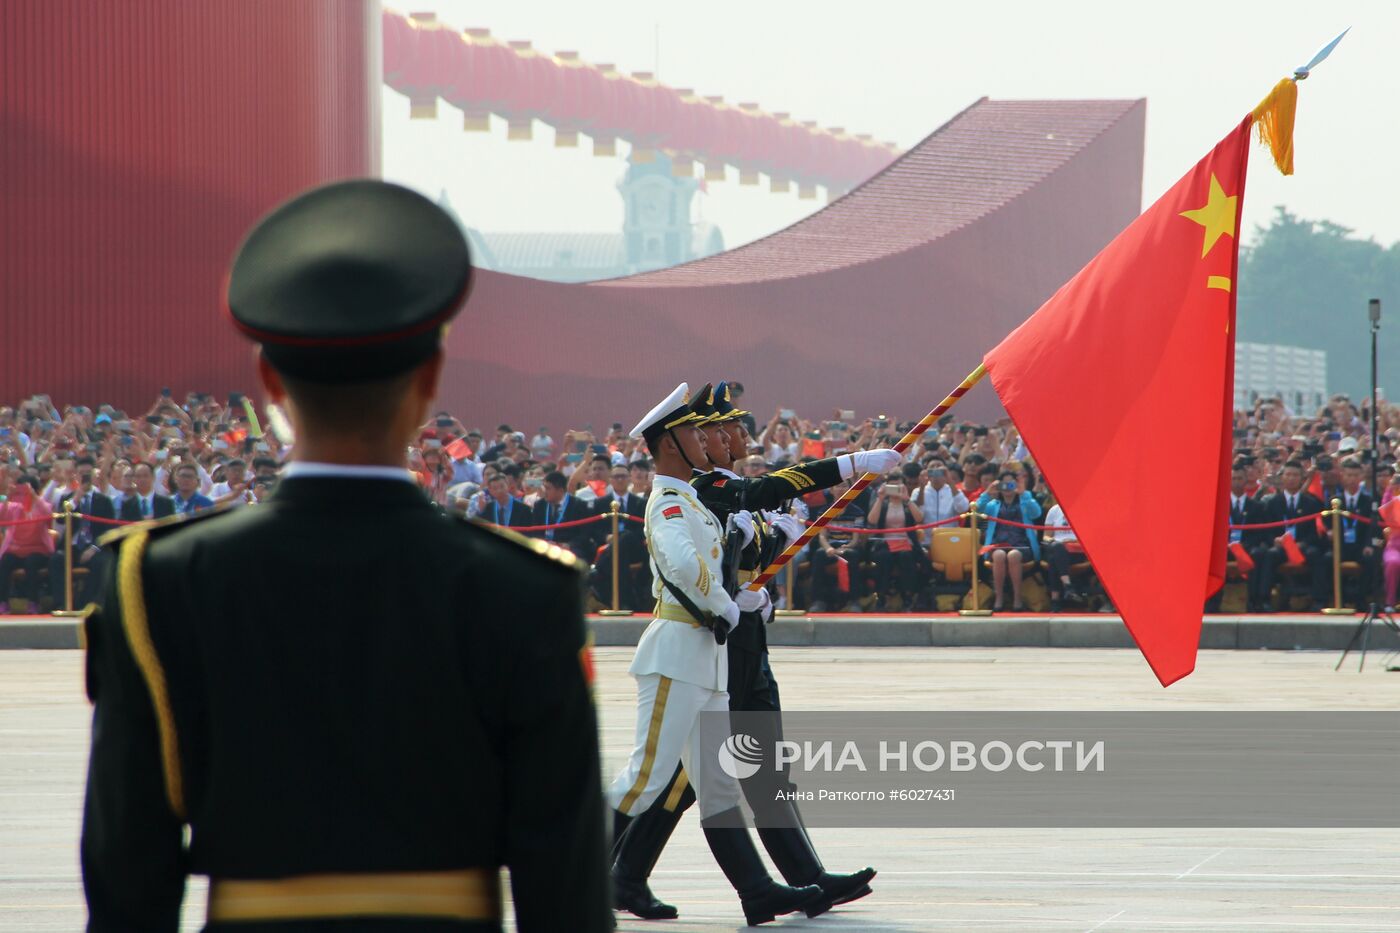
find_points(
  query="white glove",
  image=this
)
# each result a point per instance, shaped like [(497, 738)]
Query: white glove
[(786, 525), (881, 461), (742, 520), (731, 615), (755, 601)]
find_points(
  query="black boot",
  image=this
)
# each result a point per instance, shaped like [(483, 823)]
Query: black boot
[(636, 856), (762, 898), (620, 823), (791, 850)]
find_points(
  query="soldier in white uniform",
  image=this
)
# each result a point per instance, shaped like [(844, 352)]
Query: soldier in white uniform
[(682, 667)]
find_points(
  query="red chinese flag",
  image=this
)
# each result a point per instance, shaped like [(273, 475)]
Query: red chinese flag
[(1122, 385)]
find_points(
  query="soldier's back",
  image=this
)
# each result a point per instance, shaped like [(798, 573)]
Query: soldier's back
[(359, 683)]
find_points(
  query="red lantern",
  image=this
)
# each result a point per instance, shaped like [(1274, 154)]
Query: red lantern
[(611, 110)]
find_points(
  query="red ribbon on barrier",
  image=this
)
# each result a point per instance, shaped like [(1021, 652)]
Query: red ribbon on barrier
[(576, 522), (849, 529), (26, 521), (100, 520)]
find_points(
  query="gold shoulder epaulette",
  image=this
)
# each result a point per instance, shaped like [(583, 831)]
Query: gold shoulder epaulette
[(160, 524), (536, 546)]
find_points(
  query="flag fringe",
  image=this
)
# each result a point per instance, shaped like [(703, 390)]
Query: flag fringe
[(1273, 118)]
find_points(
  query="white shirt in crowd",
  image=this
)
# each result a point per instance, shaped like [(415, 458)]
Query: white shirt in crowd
[(940, 504), (1056, 516), (778, 452), (206, 482)]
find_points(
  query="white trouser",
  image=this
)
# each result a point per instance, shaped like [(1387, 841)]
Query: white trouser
[(667, 732)]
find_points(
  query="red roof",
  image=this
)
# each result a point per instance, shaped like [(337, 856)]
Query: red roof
[(881, 302), (978, 162)]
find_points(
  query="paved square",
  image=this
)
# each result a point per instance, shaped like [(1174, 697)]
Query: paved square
[(983, 880)]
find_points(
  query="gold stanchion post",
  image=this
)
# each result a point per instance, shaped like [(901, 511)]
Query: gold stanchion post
[(790, 588), (976, 609), (616, 569), (67, 611), (1337, 609)]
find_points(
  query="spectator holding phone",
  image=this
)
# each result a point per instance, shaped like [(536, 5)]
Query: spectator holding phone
[(591, 482), (941, 499), (894, 554), (28, 547), (1011, 547)]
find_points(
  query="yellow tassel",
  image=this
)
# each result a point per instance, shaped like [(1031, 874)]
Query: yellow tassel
[(1274, 120)]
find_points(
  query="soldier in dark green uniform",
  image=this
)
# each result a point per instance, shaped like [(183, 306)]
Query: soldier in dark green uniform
[(345, 707), (751, 686)]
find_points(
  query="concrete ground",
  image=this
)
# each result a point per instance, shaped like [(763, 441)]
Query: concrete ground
[(1096, 881)]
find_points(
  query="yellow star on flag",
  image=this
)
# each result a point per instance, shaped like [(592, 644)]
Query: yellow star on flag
[(1217, 216)]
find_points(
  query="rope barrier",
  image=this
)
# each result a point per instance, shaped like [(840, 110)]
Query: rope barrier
[(850, 529), (102, 521), (573, 524), (27, 521)]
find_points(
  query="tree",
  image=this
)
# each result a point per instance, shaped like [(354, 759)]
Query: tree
[(1305, 283)]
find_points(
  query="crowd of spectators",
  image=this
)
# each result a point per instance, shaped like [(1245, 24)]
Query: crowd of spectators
[(180, 457)]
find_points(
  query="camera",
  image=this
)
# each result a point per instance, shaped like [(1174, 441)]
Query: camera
[(882, 422), (787, 414), (1008, 485), (444, 422)]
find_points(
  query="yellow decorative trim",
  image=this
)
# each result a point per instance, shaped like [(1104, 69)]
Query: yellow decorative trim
[(796, 478), (683, 419), (673, 799), (87, 612), (658, 710), (672, 613), (138, 635), (468, 894), (539, 546), (703, 583)]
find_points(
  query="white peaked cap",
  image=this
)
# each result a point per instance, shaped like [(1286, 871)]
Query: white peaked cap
[(672, 411)]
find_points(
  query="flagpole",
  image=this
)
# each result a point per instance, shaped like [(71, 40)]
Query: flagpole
[(849, 495)]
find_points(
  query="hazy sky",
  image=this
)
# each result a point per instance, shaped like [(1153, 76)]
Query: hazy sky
[(898, 70)]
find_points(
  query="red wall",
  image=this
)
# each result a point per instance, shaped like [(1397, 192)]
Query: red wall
[(138, 141)]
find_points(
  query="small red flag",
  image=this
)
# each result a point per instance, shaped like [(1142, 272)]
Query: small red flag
[(458, 449), (672, 512), (1293, 553), (1142, 340), (843, 575)]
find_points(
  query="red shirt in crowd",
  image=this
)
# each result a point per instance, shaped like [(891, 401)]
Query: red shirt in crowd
[(31, 537)]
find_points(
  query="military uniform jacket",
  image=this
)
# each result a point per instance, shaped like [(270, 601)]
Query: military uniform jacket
[(686, 546), (725, 493), (340, 679)]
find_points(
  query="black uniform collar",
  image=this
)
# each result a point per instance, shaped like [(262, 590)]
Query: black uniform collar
[(348, 493)]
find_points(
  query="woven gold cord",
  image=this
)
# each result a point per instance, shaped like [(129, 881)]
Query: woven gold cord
[(138, 636)]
